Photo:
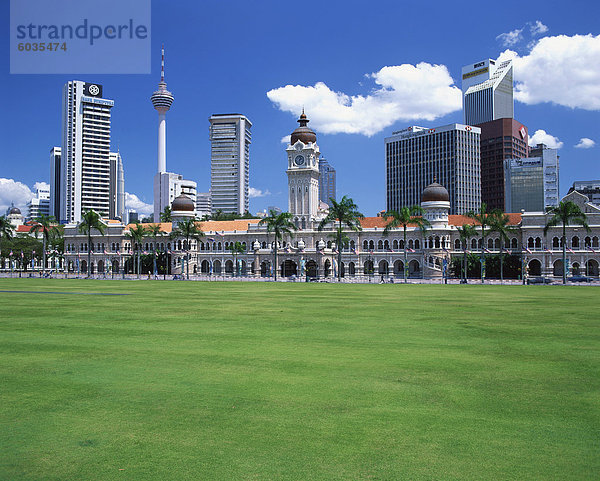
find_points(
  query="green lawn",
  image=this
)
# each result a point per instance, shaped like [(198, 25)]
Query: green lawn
[(263, 381)]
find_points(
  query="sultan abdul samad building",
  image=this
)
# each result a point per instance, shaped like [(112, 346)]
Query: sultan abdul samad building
[(313, 253)]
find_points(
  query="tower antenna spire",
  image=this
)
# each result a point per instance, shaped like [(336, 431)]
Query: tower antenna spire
[(162, 64)]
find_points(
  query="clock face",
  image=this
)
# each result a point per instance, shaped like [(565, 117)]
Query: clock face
[(299, 160)]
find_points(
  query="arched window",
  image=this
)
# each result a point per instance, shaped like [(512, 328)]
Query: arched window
[(575, 242), (417, 244), (595, 241), (457, 244), (530, 242), (538, 243), (386, 244), (490, 243), (473, 243), (395, 244), (401, 244), (244, 245), (555, 243), (352, 245), (588, 241), (380, 245), (264, 245), (410, 243), (219, 246), (365, 245), (371, 245), (328, 244), (479, 243), (437, 242)]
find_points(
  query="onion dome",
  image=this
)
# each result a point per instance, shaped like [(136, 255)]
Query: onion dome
[(435, 193), (14, 210), (183, 203), (303, 133)]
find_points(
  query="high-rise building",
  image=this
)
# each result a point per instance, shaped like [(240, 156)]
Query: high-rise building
[(590, 188), (532, 184), (117, 186), (487, 88), (55, 180), (500, 140), (417, 156), (85, 162), (203, 204), (326, 182), (230, 138), (40, 204)]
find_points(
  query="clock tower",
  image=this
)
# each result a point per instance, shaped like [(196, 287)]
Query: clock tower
[(303, 174)]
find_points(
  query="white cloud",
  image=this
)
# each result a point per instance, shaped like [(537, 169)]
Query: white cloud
[(537, 28), (542, 137), (41, 185), (286, 139), (252, 192), (511, 38), (585, 143), (132, 201), (404, 92), (12, 191), (561, 69)]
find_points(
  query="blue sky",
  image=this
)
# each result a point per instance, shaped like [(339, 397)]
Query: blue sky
[(225, 57)]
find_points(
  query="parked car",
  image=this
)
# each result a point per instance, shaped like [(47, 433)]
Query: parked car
[(539, 280), (579, 279)]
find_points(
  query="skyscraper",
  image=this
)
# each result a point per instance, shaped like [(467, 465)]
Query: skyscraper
[(500, 140), (40, 204), (326, 182), (487, 88), (230, 138), (85, 163), (203, 204), (161, 100), (449, 155), (117, 186), (55, 181), (532, 183)]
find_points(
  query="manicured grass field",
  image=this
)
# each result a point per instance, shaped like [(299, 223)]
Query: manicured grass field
[(263, 381)]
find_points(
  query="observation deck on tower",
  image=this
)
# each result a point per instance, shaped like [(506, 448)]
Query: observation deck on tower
[(162, 98)]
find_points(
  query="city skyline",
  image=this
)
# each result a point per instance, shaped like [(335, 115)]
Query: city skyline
[(347, 105)]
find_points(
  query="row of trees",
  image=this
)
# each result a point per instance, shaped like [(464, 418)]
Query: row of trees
[(44, 226)]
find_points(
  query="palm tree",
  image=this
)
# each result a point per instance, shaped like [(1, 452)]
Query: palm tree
[(153, 230), (90, 220), (499, 223), (236, 248), (165, 215), (45, 225), (6, 228), (137, 235), (345, 213), (482, 217), (188, 229), (403, 217), (57, 243), (465, 232), (566, 213), (279, 224)]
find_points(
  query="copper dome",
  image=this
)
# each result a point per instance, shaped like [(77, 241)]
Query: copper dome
[(183, 203), (435, 193), (14, 210), (303, 133)]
